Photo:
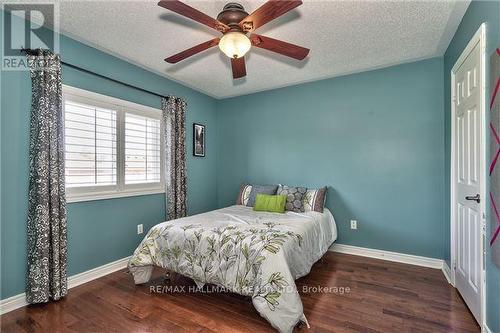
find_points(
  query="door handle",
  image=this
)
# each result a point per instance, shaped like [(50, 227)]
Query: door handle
[(475, 198)]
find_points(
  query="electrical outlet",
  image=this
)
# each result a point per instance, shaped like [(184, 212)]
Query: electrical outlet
[(140, 229), (354, 224)]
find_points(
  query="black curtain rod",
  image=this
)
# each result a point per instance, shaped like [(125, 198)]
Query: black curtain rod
[(33, 52)]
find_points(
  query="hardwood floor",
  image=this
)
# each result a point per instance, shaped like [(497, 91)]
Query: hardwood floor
[(383, 297)]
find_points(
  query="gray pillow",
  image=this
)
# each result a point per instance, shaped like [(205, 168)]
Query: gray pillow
[(294, 197), (260, 189)]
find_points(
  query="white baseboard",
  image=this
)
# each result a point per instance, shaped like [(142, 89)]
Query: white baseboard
[(387, 255), (18, 301), (447, 272), (12, 303), (95, 273)]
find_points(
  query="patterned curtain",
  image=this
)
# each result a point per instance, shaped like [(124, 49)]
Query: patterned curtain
[(46, 274), (174, 140)]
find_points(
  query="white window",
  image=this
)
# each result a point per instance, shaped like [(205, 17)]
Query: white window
[(90, 144), (142, 149), (112, 147)]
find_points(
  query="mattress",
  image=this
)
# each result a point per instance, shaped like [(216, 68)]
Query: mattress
[(256, 254)]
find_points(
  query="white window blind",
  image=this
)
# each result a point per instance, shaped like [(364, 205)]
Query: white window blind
[(142, 149), (90, 145), (112, 147)]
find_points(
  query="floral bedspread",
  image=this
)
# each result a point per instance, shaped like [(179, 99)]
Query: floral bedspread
[(256, 254)]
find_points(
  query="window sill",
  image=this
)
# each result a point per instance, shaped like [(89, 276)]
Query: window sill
[(70, 198)]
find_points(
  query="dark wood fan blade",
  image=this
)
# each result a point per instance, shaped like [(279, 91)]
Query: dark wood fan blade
[(268, 12), (238, 66), (192, 51), (278, 46), (194, 14)]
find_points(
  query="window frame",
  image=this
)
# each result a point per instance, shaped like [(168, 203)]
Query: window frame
[(121, 107)]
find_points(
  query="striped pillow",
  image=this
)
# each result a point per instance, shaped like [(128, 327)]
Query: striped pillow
[(244, 194), (314, 200)]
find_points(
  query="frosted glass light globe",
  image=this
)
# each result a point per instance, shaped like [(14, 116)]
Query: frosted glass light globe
[(234, 44)]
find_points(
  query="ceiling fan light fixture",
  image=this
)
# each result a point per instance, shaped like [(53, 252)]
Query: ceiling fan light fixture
[(237, 25), (235, 44)]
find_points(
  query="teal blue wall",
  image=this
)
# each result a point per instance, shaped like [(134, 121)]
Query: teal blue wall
[(98, 231), (477, 13), (376, 139)]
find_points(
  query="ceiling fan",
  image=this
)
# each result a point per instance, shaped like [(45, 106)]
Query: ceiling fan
[(237, 27)]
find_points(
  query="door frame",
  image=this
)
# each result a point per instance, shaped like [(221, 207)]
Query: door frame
[(479, 37)]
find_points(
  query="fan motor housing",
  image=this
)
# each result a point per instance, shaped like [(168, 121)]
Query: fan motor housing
[(232, 14)]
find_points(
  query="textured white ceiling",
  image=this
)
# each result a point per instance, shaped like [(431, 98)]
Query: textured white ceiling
[(344, 37)]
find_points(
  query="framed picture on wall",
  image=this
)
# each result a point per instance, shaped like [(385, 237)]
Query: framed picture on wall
[(198, 140), (494, 149)]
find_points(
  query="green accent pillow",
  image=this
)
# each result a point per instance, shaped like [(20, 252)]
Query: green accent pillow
[(270, 203)]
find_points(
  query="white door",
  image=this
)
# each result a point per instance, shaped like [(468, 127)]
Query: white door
[(468, 173)]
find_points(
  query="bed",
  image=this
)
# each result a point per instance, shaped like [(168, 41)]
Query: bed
[(256, 254)]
